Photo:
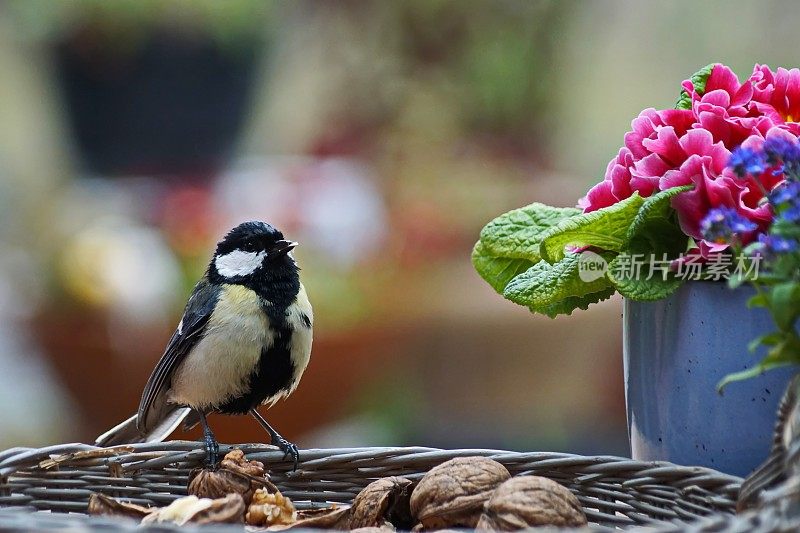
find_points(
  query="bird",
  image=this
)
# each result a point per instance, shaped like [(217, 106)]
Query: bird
[(244, 340)]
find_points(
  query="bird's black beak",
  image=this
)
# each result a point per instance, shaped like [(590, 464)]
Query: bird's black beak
[(281, 247)]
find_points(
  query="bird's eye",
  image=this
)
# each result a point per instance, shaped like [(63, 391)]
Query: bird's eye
[(249, 246)]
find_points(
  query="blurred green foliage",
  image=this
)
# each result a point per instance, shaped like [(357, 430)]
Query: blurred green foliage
[(126, 22), (498, 55)]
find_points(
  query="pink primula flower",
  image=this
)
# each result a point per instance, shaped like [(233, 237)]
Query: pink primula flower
[(703, 167), (724, 107), (673, 147), (637, 167), (722, 89), (777, 95)]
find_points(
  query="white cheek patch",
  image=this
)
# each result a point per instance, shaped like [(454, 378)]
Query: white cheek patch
[(238, 263)]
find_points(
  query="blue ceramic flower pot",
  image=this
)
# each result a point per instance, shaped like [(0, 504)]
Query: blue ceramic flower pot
[(676, 351)]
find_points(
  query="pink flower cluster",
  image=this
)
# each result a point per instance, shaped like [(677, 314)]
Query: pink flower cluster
[(675, 147)]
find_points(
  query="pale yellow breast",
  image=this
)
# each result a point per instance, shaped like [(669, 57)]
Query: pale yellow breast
[(219, 367)]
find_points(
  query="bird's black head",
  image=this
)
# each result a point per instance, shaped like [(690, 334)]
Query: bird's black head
[(253, 253)]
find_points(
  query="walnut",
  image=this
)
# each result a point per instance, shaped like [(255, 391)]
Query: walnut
[(236, 461), (200, 511), (219, 483), (382, 500), (270, 509), (235, 474), (529, 501), (452, 494), (229, 509), (100, 504)]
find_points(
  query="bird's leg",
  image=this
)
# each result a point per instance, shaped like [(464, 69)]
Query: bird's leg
[(212, 447), (284, 445)]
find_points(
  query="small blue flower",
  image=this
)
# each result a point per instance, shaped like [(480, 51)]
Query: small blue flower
[(775, 245), (785, 194), (780, 149), (723, 224), (746, 161), (785, 153), (792, 214), (785, 200)]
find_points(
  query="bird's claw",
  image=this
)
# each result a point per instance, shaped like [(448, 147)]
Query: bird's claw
[(212, 451), (282, 444), (288, 449)]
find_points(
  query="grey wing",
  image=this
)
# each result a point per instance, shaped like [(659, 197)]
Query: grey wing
[(195, 317)]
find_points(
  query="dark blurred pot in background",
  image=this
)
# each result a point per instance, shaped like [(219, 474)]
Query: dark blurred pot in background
[(676, 351), (157, 101)]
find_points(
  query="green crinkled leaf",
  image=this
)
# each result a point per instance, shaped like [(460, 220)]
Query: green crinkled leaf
[(497, 271), (606, 229), (546, 284), (699, 80), (654, 233), (643, 283), (518, 233), (656, 217), (568, 305)]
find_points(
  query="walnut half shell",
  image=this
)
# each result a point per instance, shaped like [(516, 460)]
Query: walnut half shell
[(528, 501), (100, 504), (236, 474), (452, 494), (384, 499)]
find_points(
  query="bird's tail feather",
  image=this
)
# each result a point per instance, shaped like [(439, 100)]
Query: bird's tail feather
[(126, 432)]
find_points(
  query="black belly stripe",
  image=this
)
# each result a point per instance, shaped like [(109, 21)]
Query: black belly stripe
[(273, 375)]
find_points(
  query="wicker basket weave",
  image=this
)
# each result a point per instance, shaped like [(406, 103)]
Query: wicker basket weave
[(614, 492)]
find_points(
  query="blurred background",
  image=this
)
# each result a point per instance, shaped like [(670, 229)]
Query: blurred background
[(382, 136)]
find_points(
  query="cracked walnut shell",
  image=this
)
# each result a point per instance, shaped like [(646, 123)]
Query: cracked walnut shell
[(100, 504), (383, 499), (452, 494), (236, 474), (529, 501)]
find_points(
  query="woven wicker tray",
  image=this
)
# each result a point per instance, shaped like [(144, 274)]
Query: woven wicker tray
[(615, 492)]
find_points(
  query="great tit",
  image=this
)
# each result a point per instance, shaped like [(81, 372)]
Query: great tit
[(244, 340)]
